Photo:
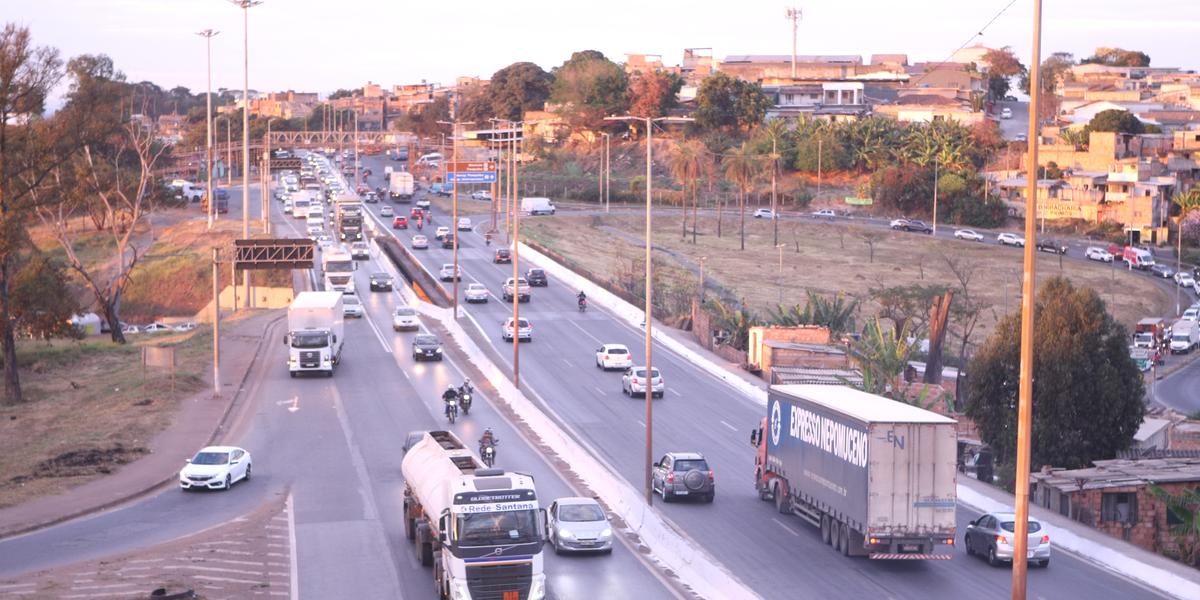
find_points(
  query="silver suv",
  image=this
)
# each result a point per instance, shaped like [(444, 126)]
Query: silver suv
[(683, 474)]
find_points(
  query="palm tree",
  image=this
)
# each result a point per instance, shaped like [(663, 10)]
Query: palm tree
[(741, 168), (685, 163), (774, 131), (882, 355)]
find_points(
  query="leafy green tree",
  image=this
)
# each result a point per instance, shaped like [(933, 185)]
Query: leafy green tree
[(906, 190), (836, 313), (1055, 69), (341, 93), (906, 306), (1118, 57), (741, 166), (512, 90), (1115, 119), (882, 354), (590, 87), (42, 300), (735, 321), (1087, 392), (1003, 65), (723, 102), (688, 161), (652, 94)]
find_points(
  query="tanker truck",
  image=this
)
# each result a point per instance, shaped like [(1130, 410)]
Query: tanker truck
[(480, 529)]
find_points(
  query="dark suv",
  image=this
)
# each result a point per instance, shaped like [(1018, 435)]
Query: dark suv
[(682, 474), (917, 226), (1051, 246), (536, 278)]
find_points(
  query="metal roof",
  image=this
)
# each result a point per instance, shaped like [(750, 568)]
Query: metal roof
[(1123, 472)]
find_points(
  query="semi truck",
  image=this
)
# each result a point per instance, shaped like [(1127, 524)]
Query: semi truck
[(315, 333), (349, 214), (481, 529), (400, 186), (876, 476), (337, 268)]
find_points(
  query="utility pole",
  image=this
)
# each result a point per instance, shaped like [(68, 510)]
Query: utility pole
[(606, 168), (795, 14), (216, 333), (516, 247), (246, 5), (208, 34), (935, 194), (454, 203), (1028, 289), (774, 201)]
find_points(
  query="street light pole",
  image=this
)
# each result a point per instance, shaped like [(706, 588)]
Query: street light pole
[(208, 34), (516, 256), (935, 198), (780, 248), (246, 5), (265, 178), (454, 205)]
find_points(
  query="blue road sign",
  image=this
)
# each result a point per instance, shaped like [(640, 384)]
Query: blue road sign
[(483, 177)]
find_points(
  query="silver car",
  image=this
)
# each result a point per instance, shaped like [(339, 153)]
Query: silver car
[(633, 382), (476, 292), (683, 474), (351, 306), (579, 525), (991, 536)]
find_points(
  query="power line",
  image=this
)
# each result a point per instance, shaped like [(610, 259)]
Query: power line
[(969, 40)]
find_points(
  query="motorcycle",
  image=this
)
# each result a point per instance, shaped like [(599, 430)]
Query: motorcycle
[(583, 305), (465, 399), (488, 454), (452, 410)]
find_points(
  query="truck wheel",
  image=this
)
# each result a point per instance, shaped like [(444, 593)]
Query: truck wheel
[(826, 538), (409, 527), (293, 374), (845, 540), (782, 503), (422, 545), (835, 535)]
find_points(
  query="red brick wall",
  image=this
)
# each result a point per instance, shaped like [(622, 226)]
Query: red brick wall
[(1151, 531)]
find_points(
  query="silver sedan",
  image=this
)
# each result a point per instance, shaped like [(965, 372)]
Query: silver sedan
[(991, 536), (579, 525)]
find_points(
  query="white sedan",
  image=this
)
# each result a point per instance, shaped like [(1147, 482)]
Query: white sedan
[(763, 213), (405, 318), (613, 356), (1185, 279), (476, 292), (420, 242), (386, 211), (352, 306), (1098, 253), (450, 272), (216, 468), (968, 234), (481, 195)]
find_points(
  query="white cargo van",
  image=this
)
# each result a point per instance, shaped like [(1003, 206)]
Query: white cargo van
[(537, 206), (1184, 337), (431, 158)]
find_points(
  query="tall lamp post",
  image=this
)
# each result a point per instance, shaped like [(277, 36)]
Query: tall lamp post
[(228, 152), (208, 34), (246, 5), (265, 179), (649, 122), (605, 169), (454, 207)]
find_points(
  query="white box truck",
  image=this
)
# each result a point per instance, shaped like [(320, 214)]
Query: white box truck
[(537, 206), (1185, 335), (480, 529), (400, 186), (337, 268), (301, 202), (876, 476), (315, 333)]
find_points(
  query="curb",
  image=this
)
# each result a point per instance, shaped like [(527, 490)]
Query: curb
[(162, 482)]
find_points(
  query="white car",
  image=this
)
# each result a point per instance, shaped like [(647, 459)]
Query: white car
[(613, 356), (464, 224), (128, 329), (386, 211), (216, 468), (449, 272), (476, 292), (824, 213), (481, 195), (524, 330), (352, 306), (185, 326), (1191, 314), (1098, 253), (405, 317), (315, 231), (968, 234), (324, 241), (1006, 113), (633, 382), (440, 232), (420, 242), (360, 251), (1185, 279), (423, 203), (156, 328), (763, 213), (1011, 239), (578, 525)]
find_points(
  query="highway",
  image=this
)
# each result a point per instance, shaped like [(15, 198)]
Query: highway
[(777, 555)]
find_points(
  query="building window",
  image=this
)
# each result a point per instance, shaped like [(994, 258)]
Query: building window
[(1119, 507)]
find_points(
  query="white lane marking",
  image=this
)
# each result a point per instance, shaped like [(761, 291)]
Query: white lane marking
[(676, 392), (731, 427), (641, 422), (378, 333), (585, 332), (568, 363), (785, 527), (598, 390), (295, 575)]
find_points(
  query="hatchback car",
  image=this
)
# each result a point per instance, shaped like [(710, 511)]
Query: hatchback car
[(440, 232), (360, 251), (420, 242), (824, 213), (381, 282), (1161, 270), (968, 234), (578, 525), (352, 306), (613, 356), (763, 213), (464, 224), (1011, 239), (216, 468), (991, 536), (537, 278), (475, 292), (683, 474), (426, 346), (1185, 279), (450, 273), (524, 330), (502, 255), (386, 211), (405, 318), (1098, 253), (633, 382), (400, 223)]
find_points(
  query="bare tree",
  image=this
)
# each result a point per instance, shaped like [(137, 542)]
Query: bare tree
[(968, 310), (871, 237)]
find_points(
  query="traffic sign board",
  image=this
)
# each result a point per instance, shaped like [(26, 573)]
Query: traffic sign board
[(470, 167), (472, 177)]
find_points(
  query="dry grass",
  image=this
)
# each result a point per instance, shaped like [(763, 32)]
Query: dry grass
[(829, 258), (88, 409)]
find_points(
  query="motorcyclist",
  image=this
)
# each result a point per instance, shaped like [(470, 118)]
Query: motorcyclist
[(487, 440), (466, 386), (448, 395), (582, 299), (465, 392)]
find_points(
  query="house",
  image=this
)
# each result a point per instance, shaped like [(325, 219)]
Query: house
[(805, 346), (1114, 496), (926, 106), (828, 100), (285, 105)]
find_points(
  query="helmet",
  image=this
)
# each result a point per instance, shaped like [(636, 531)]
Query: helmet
[(467, 380), (450, 387)]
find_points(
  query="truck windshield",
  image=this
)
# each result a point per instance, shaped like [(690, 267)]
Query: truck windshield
[(498, 528), (309, 340), (339, 266)]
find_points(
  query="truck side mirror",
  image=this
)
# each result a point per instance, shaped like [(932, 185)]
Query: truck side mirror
[(543, 526), (285, 339), (335, 339), (754, 438)]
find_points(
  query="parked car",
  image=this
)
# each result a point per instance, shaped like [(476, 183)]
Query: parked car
[(578, 525), (381, 282), (633, 382), (1052, 246), (420, 242), (155, 328), (991, 536), (680, 474), (426, 346), (1161, 270), (763, 213), (1097, 253), (185, 326), (502, 255), (128, 329), (216, 468), (400, 223), (1011, 239), (352, 306), (449, 272), (405, 317), (537, 278), (386, 211), (524, 330), (1021, 137), (968, 234), (1185, 279), (476, 292), (824, 213), (613, 356)]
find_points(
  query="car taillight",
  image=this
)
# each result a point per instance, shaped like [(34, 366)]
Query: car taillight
[(1001, 539), (710, 476), (605, 357), (671, 477), (1045, 539), (635, 380)]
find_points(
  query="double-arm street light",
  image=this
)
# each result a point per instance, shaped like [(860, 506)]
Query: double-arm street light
[(208, 34), (649, 122)]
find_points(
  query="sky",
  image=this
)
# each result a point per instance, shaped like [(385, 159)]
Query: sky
[(310, 45)]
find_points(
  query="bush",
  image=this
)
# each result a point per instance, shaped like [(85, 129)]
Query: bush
[(906, 190), (989, 213)]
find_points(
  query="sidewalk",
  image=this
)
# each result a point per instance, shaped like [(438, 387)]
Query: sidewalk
[(199, 422)]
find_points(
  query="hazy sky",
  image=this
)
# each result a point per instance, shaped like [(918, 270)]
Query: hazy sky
[(320, 46)]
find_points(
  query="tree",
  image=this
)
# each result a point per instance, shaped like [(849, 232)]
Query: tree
[(42, 301), (1115, 119), (723, 102), (906, 306), (741, 168), (590, 87), (512, 90), (651, 94), (904, 190), (686, 161), (882, 354), (871, 237), (734, 321), (1055, 69), (1185, 507), (1087, 392), (1003, 65), (1118, 57), (939, 314), (341, 93), (968, 309), (836, 313)]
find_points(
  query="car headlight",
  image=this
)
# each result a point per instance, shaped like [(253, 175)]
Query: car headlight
[(439, 350), (606, 533), (566, 533)]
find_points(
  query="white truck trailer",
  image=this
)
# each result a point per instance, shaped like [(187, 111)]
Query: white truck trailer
[(876, 476), (480, 529), (315, 333), (400, 186)]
